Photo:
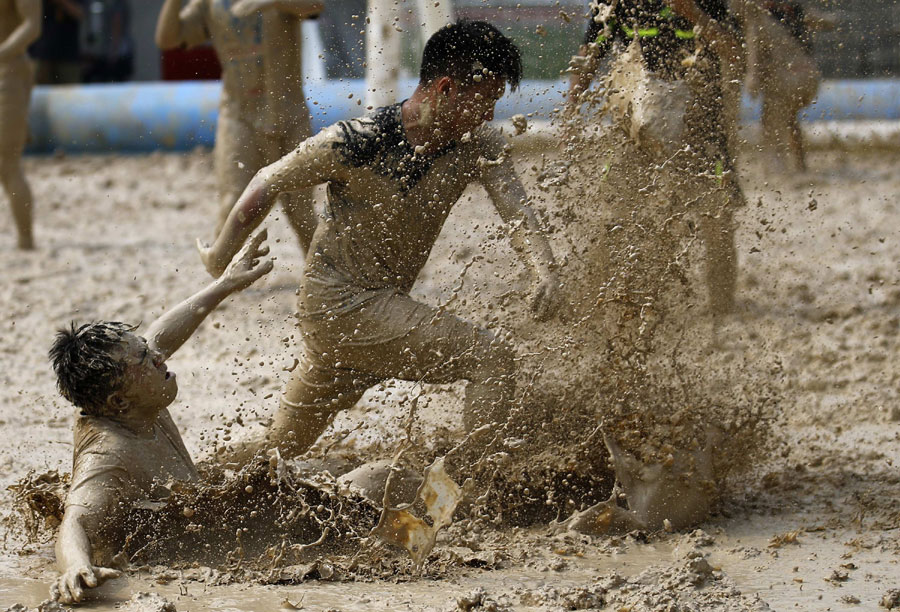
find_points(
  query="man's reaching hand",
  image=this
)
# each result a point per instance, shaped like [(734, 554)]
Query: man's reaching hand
[(246, 269), (69, 588)]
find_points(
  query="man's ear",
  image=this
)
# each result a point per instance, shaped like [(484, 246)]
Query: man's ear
[(445, 86), (116, 403)]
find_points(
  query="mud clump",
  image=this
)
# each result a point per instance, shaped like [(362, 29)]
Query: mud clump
[(690, 583), (149, 602)]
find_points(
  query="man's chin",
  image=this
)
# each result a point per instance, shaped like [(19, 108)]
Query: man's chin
[(171, 390)]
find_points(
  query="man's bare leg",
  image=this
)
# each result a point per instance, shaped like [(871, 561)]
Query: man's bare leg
[(15, 92), (796, 143), (236, 158), (19, 193)]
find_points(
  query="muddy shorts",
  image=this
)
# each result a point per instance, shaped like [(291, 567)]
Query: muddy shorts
[(390, 335)]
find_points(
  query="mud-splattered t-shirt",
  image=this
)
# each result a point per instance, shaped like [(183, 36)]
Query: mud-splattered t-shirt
[(113, 468), (386, 203)]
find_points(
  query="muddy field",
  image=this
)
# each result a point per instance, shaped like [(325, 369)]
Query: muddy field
[(814, 525)]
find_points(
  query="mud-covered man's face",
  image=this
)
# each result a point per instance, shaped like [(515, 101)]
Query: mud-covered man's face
[(463, 107), (147, 384)]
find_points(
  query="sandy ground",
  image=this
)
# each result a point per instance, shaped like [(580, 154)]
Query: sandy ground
[(815, 527)]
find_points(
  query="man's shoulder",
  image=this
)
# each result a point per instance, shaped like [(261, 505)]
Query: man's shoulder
[(360, 140), (97, 437), (489, 141)]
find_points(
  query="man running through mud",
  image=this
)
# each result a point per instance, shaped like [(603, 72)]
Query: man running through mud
[(692, 41), (393, 177), (20, 25), (262, 112), (126, 445)]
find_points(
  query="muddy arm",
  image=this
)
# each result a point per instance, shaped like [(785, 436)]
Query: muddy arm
[(175, 27), (528, 240), (724, 42), (298, 8), (25, 33), (73, 554), (171, 330), (311, 163)]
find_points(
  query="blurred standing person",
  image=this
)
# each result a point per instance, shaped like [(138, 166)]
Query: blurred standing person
[(342, 27), (693, 42), (111, 50), (262, 112), (57, 54), (781, 70), (20, 25)]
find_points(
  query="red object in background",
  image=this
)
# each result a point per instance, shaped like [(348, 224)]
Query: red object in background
[(196, 64)]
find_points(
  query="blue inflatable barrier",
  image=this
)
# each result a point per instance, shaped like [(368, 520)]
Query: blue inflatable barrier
[(178, 116)]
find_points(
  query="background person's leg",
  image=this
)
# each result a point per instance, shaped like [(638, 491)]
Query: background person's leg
[(236, 158), (15, 91)]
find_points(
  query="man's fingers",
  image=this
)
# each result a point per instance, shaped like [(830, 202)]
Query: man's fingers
[(54, 591), (74, 589), (87, 575), (262, 251), (266, 267), (259, 238), (107, 573), (63, 593)]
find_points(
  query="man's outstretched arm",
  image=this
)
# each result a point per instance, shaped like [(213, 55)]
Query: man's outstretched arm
[(311, 163), (171, 330), (725, 43), (511, 201), (298, 8), (73, 550)]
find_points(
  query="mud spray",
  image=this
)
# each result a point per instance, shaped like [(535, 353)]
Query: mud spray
[(626, 418)]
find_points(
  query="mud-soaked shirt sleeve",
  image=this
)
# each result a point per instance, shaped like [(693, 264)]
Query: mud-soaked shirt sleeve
[(314, 161), (194, 30), (499, 178), (98, 471)]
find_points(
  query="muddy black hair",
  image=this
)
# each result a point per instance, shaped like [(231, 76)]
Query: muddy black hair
[(460, 49), (87, 363)]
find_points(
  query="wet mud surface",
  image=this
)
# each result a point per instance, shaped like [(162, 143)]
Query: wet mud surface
[(809, 521)]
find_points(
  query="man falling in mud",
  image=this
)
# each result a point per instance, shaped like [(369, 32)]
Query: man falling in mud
[(126, 445), (692, 41), (262, 112), (393, 177), (20, 25)]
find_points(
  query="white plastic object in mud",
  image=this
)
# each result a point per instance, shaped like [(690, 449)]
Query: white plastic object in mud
[(400, 527), (648, 108)]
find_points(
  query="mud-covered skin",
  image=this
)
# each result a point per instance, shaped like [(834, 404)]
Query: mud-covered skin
[(387, 203), (20, 25), (262, 111), (784, 86), (131, 450)]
